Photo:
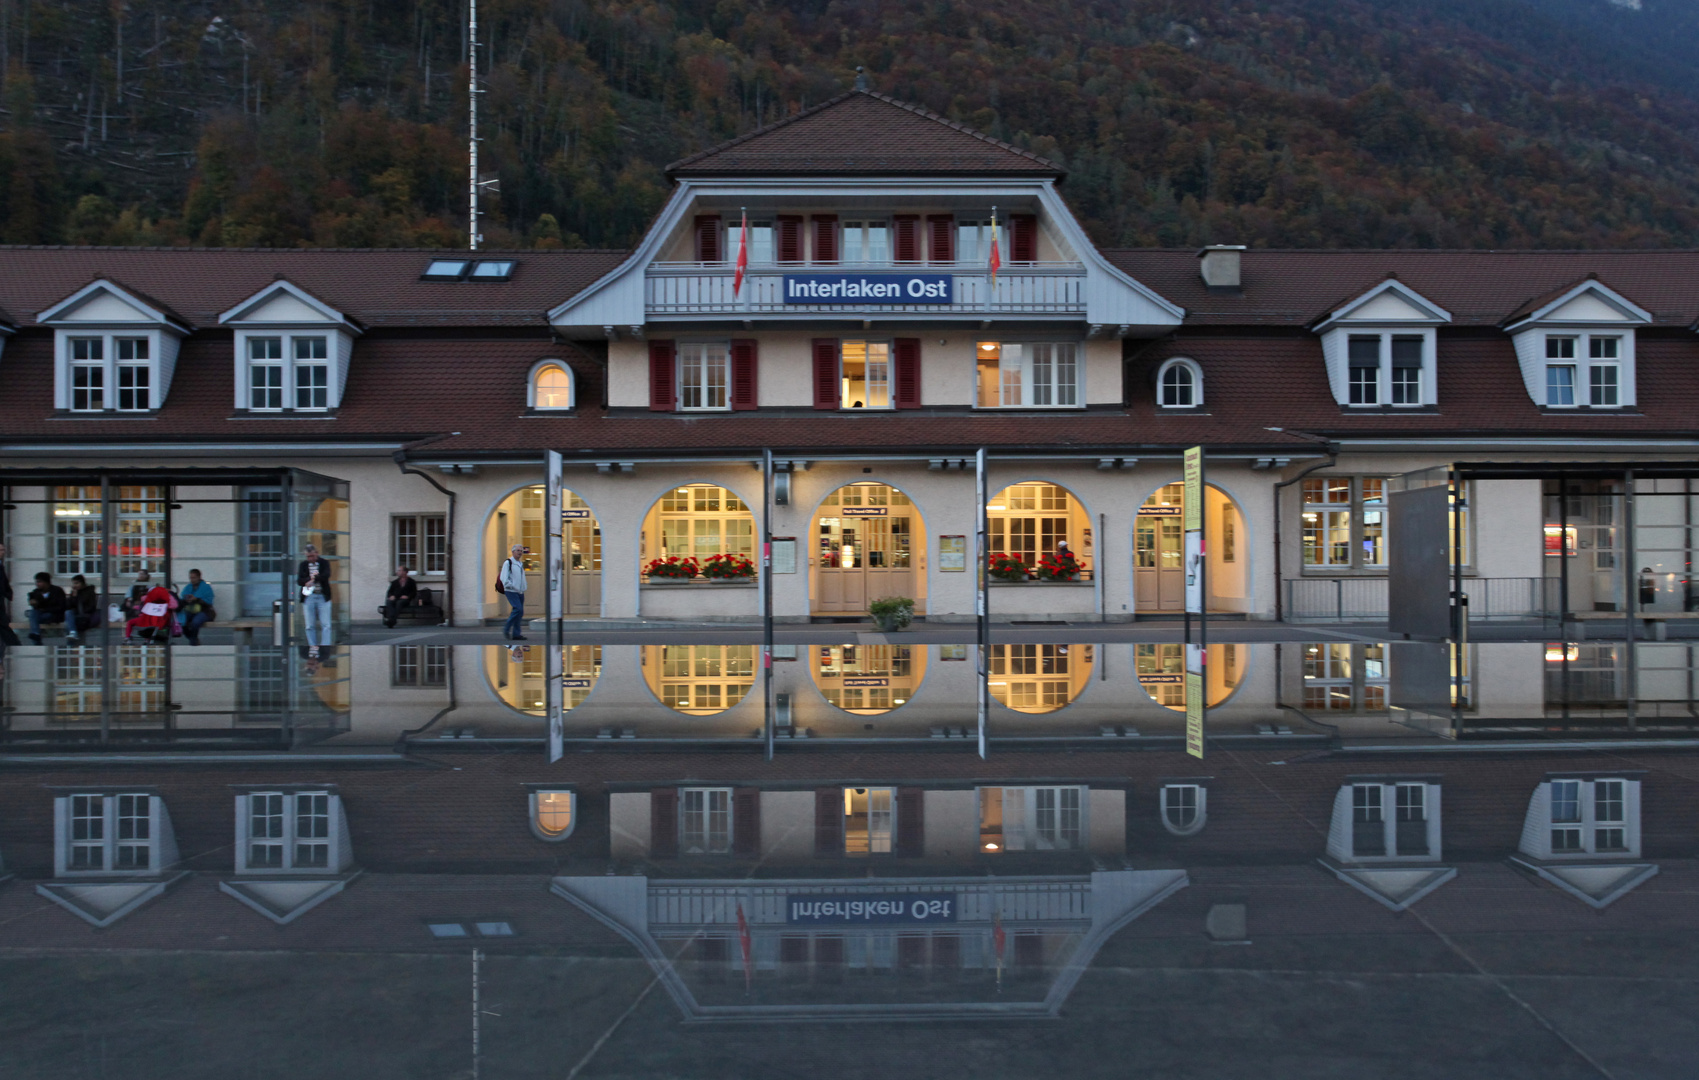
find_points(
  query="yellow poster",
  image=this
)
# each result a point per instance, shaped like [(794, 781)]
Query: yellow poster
[(1194, 488), (1194, 714)]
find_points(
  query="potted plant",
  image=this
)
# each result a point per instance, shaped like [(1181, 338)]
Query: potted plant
[(671, 570), (1006, 568), (1061, 566), (723, 569), (891, 613)]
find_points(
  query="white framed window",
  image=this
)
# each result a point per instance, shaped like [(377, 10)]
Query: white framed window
[(1042, 375), (551, 386), (265, 374), (285, 831), (973, 242), (865, 241), (1586, 817), (1184, 808), (1376, 821), (761, 250), (1342, 677), (1344, 522), (112, 832), (1407, 364), (1585, 370), (1363, 360), (554, 814), (88, 374), (870, 820), (864, 374), (1179, 384), (133, 374), (112, 372), (704, 821), (312, 374), (420, 543), (1382, 368), (1032, 819), (703, 375)]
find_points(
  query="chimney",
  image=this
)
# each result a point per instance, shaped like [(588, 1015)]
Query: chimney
[(1220, 265)]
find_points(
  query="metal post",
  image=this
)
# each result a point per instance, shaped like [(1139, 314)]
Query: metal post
[(477, 957), (982, 599), (1630, 588), (1338, 599), (1459, 605), (1563, 552), (472, 125), (767, 598), (106, 694), (289, 551)]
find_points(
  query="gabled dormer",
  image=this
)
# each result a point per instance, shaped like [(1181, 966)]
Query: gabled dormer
[(1381, 348), (114, 349), (292, 351), (1575, 346)]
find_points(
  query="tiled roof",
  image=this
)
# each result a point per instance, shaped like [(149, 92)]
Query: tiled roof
[(1479, 288), (377, 287), (862, 133)]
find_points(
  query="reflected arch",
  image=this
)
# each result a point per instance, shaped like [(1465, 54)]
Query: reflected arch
[(1035, 518), (868, 680), (868, 543), (1161, 670), (699, 680), (518, 675), (1039, 678), (1159, 579)]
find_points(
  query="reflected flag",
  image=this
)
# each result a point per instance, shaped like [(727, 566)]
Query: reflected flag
[(743, 943), (998, 941), (742, 253)]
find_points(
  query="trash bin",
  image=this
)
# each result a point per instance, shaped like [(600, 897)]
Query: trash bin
[(277, 622)]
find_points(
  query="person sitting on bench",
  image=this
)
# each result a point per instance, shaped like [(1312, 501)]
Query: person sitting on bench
[(46, 605), (82, 608), (403, 593)]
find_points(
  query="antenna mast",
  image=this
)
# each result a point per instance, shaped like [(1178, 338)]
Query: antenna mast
[(472, 145)]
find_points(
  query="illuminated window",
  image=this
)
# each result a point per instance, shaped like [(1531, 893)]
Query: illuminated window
[(1028, 375), (1031, 819), (553, 814), (1039, 678), (552, 388), (699, 680), (1344, 522)]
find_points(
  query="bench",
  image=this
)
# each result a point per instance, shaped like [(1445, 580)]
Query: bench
[(424, 609)]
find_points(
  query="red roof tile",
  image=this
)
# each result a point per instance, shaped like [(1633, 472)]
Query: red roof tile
[(862, 133)]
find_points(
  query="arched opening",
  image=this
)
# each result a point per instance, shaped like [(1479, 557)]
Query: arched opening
[(695, 521), (551, 387), (1031, 520), (1159, 575), (519, 675), (868, 540), (869, 679), (699, 680), (1039, 678), (519, 519), (554, 814), (1161, 670)]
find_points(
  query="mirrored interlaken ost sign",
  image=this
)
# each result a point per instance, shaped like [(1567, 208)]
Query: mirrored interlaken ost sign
[(869, 289), (820, 909)]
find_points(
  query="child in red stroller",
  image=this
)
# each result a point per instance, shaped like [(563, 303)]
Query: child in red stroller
[(154, 621)]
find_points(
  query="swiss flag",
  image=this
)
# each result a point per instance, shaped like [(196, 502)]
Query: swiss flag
[(996, 255), (742, 923), (742, 265)]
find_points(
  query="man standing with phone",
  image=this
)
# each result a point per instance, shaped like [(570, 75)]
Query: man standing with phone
[(511, 582), (313, 578)]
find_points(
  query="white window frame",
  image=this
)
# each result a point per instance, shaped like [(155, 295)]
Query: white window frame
[(1362, 503), (1033, 835), (1342, 835), (534, 812), (1200, 808), (711, 842), (885, 835), (861, 233), (291, 838), (276, 368), (295, 368), (110, 367), (1188, 365), (695, 355), (1382, 386), (531, 391), (157, 849), (1534, 348), (1018, 366), (1539, 835), (889, 382)]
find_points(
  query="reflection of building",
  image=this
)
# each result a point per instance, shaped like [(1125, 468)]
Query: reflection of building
[(1039, 678), (699, 680), (868, 679)]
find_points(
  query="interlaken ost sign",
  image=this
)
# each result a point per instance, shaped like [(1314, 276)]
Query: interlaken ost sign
[(817, 909), (869, 289)]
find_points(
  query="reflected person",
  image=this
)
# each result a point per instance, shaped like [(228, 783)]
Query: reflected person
[(197, 609)]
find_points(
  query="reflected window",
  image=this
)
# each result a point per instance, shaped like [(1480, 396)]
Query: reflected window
[(1591, 817), (554, 814), (868, 679), (1344, 678), (704, 821), (699, 680), (869, 820), (520, 675), (1183, 808), (1031, 819), (1039, 678), (287, 830), (1161, 670), (1392, 820), (108, 833), (419, 665)]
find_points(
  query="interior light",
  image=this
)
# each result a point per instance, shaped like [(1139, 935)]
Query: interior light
[(996, 506), (990, 847)]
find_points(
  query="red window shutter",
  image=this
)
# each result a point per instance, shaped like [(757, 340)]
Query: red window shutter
[(825, 238), (790, 237), (828, 822), (906, 232), (941, 234), (911, 822), (746, 823), (1023, 238), (745, 389), (662, 393), (825, 373), (708, 238), (663, 823), (907, 351)]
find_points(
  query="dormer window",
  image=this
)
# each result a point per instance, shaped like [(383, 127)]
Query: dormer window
[(1385, 820), (112, 832), (292, 351), (1595, 381), (1179, 384), (1183, 808), (290, 831), (115, 350), (1381, 349), (1386, 369), (1577, 351), (551, 386)]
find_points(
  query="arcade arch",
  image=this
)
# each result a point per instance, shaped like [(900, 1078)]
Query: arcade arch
[(868, 540), (1159, 576), (1161, 670), (520, 519), (694, 521), (1033, 519)]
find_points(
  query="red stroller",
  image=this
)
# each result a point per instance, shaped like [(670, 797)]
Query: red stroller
[(155, 621)]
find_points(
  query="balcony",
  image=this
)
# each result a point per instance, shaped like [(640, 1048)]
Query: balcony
[(699, 289)]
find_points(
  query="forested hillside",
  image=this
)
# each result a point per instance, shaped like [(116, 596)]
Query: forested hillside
[(1490, 123)]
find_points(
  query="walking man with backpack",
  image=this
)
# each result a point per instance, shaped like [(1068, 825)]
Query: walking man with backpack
[(511, 584)]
